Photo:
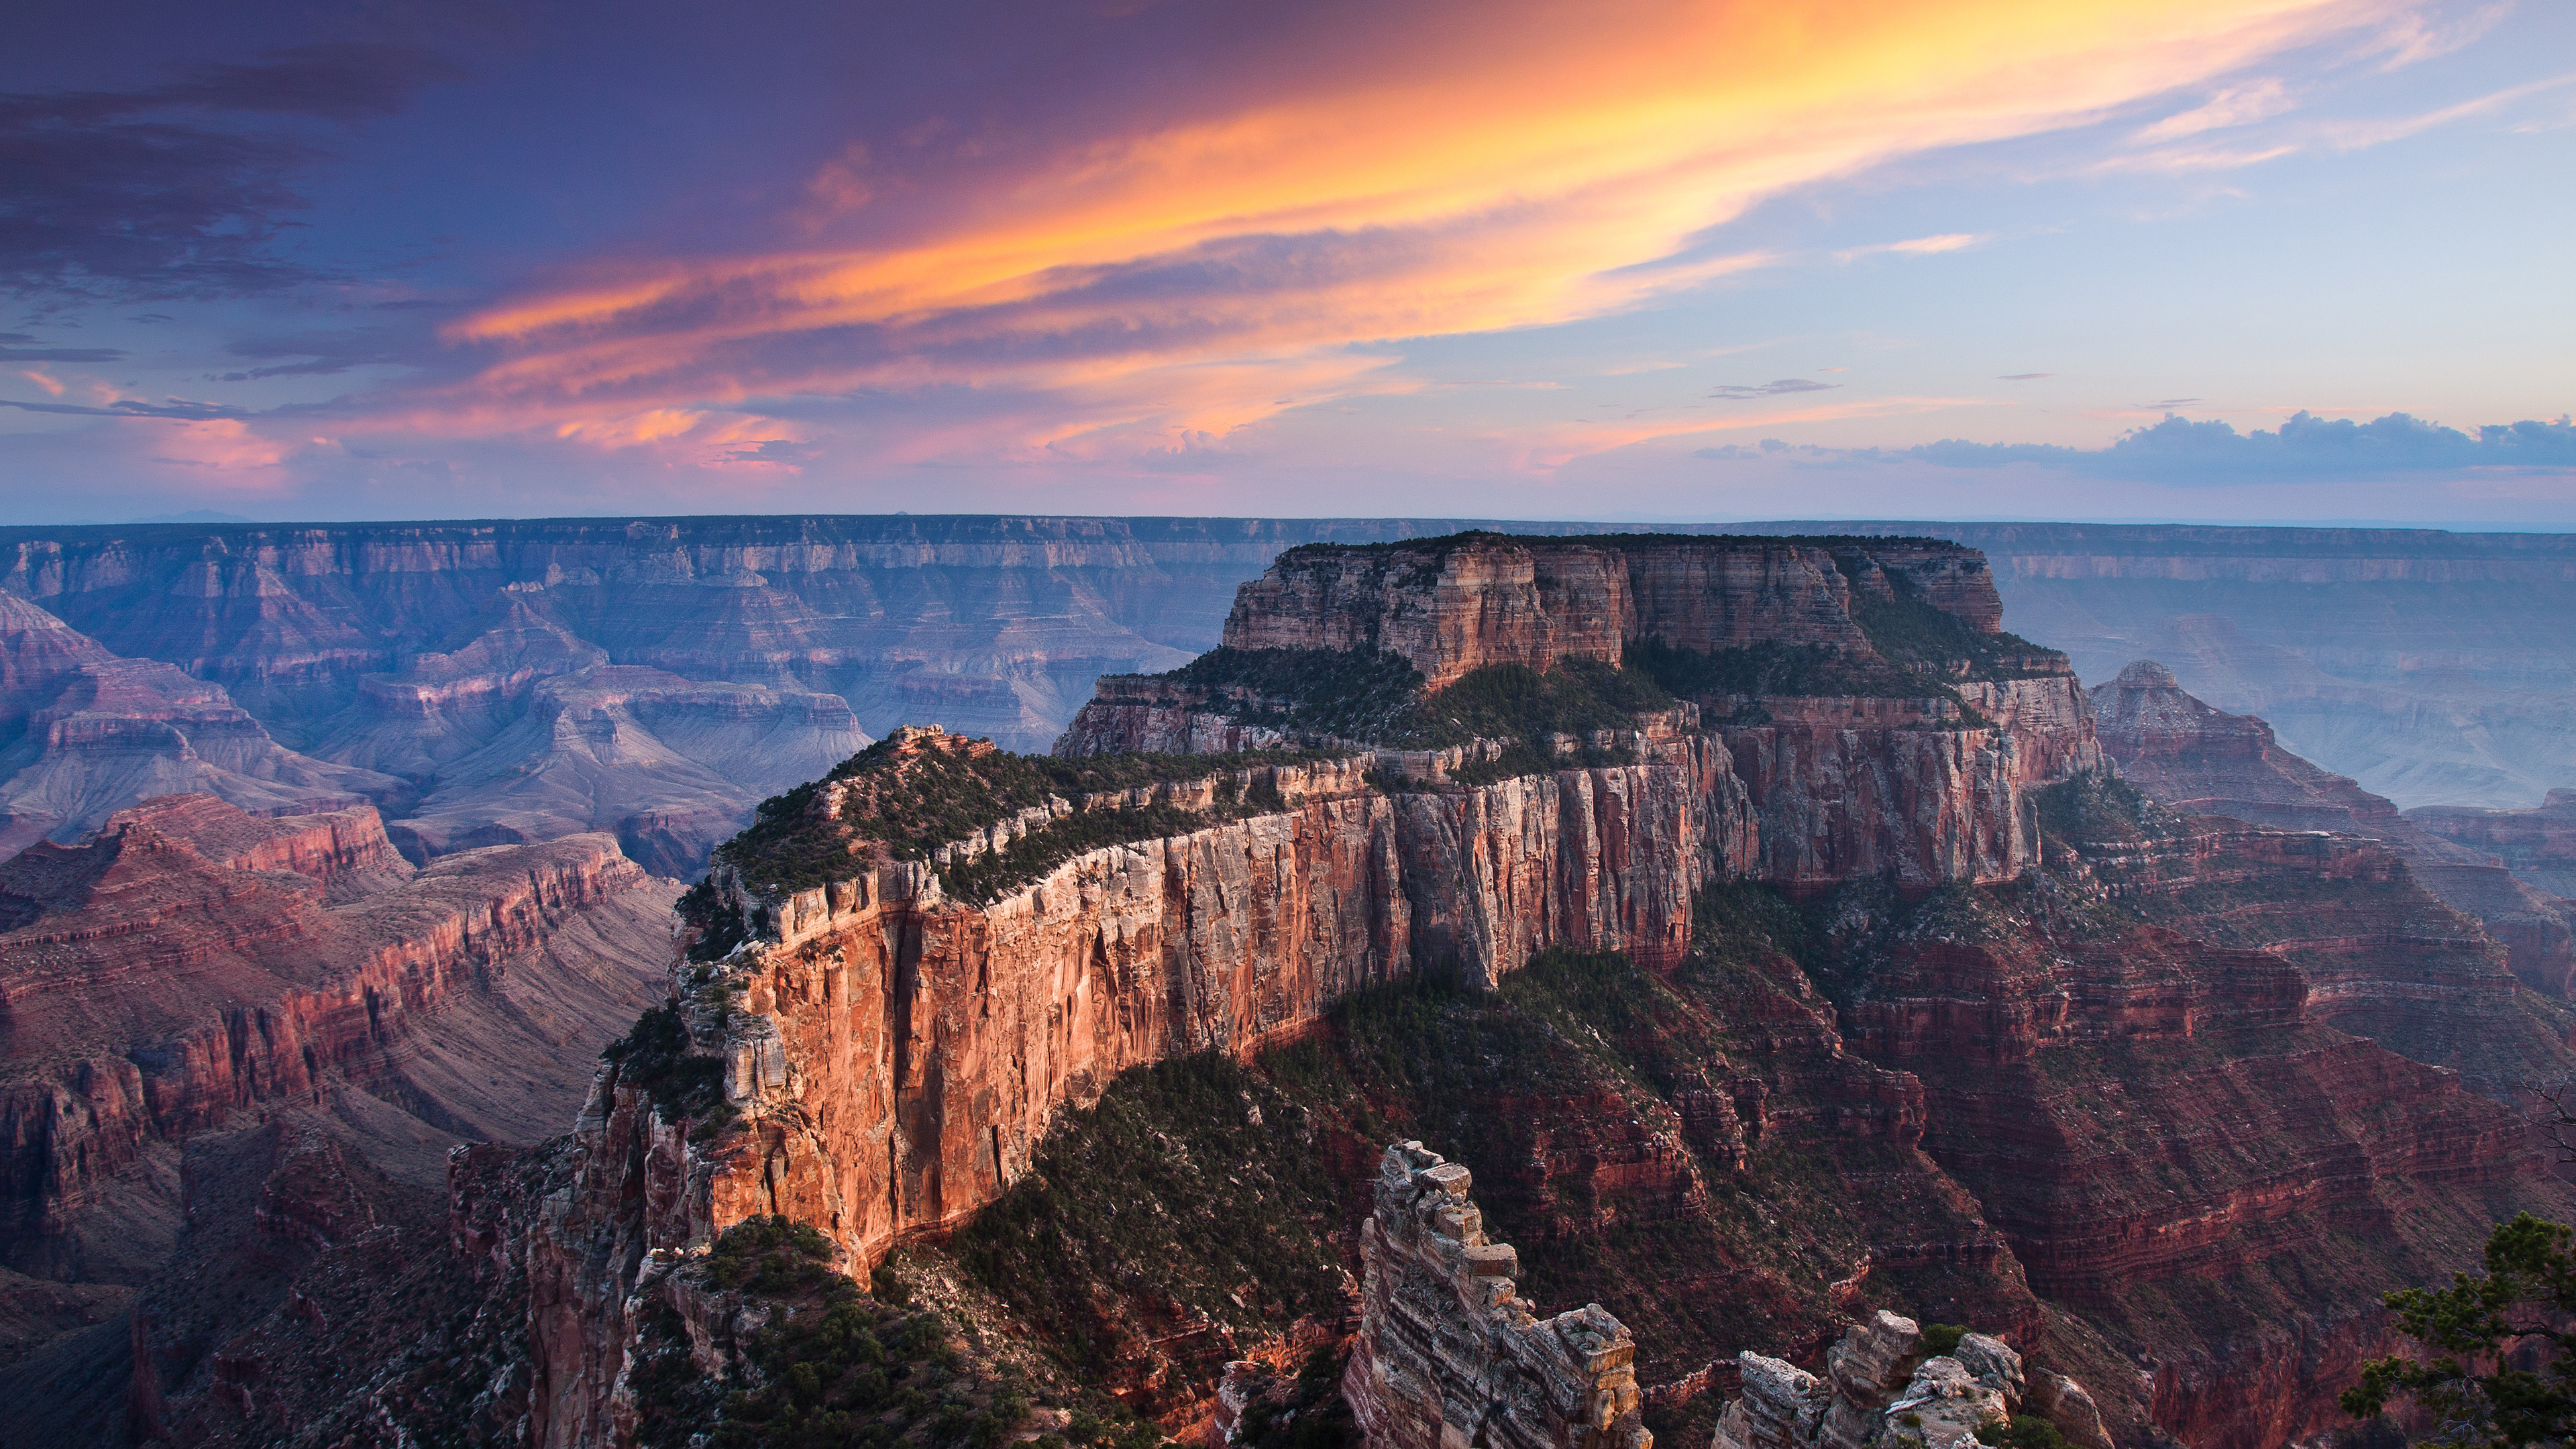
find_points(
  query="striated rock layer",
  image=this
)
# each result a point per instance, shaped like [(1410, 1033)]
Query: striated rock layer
[(1457, 604), (2191, 757), (84, 734), (193, 964)]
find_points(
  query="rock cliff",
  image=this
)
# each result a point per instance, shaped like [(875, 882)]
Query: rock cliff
[(1454, 605), (2431, 666), (2538, 846)]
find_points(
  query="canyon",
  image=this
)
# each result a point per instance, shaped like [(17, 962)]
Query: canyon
[(226, 1026), (2426, 665), (1781, 950), (2297, 1025)]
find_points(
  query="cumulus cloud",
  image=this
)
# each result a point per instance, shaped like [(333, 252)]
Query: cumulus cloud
[(138, 193), (2183, 452)]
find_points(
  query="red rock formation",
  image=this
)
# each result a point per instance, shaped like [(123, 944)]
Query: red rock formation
[(2203, 1120), (2538, 846), (192, 963), (1447, 1351), (2188, 756), (1458, 604)]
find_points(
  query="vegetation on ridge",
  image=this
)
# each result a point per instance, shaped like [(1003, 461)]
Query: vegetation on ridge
[(908, 797), (833, 1366), (1380, 698)]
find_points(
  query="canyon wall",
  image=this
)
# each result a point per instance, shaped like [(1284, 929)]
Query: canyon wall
[(194, 965), (2430, 666), (2190, 757), (2220, 1132), (1454, 605)]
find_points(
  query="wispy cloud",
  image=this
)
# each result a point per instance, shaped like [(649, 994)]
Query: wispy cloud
[(1921, 246), (1772, 389), (2235, 106), (1201, 273), (2340, 135)]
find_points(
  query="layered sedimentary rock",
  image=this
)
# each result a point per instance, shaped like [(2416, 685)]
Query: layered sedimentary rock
[(1924, 806), (1459, 604), (1448, 1352), (193, 964), (2191, 757), (670, 767), (1842, 786), (998, 625), (2538, 846), (84, 734), (2209, 1108)]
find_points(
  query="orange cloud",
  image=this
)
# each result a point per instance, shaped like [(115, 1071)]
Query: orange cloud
[(1536, 164)]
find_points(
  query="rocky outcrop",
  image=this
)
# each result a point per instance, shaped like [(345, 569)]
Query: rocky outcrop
[(1447, 1350), (84, 734), (2193, 758), (192, 965), (1881, 1388)]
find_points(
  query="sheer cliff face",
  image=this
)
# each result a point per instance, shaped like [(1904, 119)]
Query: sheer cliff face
[(195, 966), (1453, 606), (905, 1051)]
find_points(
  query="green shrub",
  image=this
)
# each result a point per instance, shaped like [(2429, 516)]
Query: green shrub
[(2029, 1431), (654, 1055), (911, 802), (1941, 1338)]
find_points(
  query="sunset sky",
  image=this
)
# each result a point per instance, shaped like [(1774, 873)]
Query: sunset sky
[(2122, 260)]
